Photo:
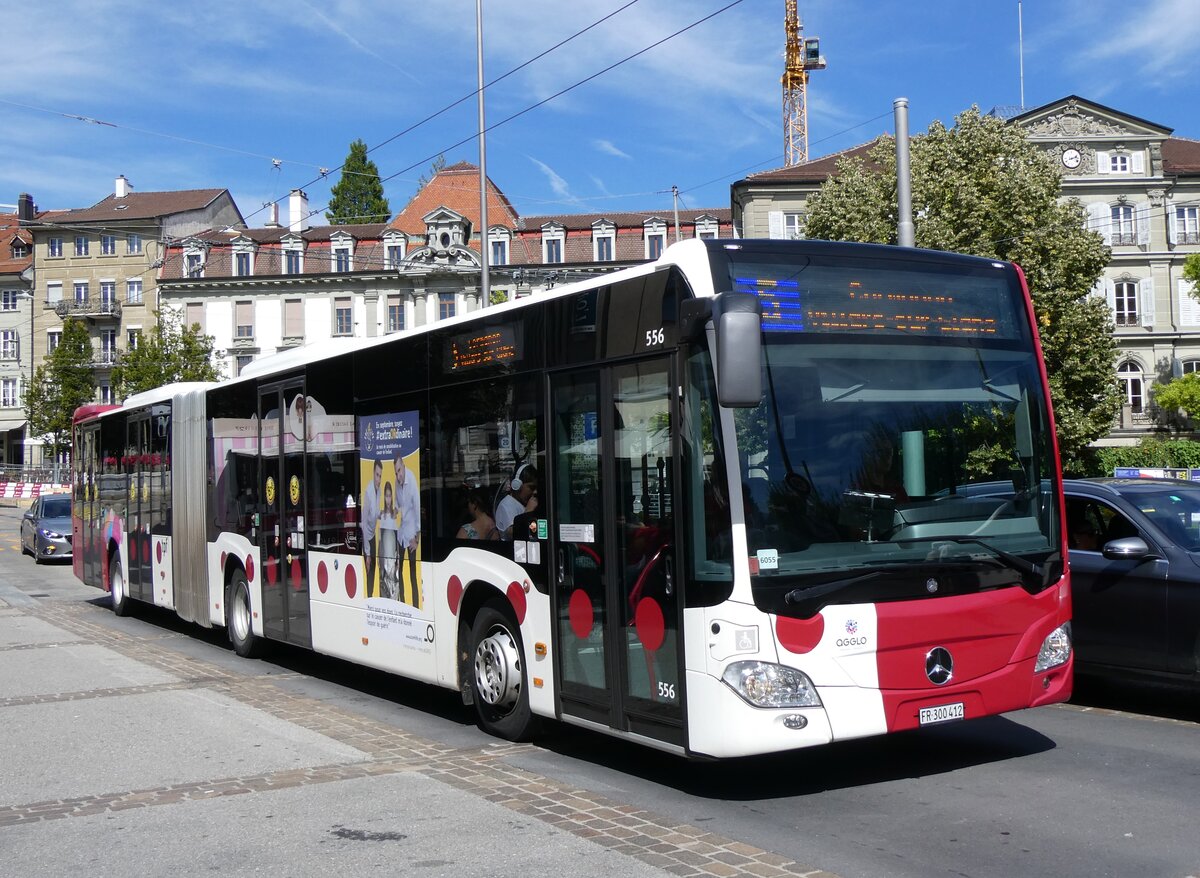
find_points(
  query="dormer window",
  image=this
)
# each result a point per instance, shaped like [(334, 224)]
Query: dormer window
[(393, 251), (656, 237), (604, 241), (242, 263), (707, 227), (194, 264), (498, 240), (553, 242), (341, 253), (20, 250), (1121, 161), (293, 255)]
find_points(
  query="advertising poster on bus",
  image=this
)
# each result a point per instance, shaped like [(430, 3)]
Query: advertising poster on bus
[(390, 508)]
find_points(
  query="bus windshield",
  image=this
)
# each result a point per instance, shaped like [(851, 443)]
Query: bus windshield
[(903, 428)]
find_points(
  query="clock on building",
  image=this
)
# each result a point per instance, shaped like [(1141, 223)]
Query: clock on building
[(1071, 158)]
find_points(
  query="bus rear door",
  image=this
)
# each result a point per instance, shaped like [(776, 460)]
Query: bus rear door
[(612, 530)]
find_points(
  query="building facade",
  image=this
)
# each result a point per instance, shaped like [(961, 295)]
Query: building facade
[(1140, 188), (16, 314)]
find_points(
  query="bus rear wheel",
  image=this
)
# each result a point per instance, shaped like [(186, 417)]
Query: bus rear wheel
[(498, 675), (238, 619), (121, 601)]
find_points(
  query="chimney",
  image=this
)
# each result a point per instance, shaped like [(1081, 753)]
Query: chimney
[(123, 187), (272, 215), (25, 208), (297, 210)]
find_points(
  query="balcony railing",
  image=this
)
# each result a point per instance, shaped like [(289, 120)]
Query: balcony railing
[(94, 308), (1136, 418), (105, 359)]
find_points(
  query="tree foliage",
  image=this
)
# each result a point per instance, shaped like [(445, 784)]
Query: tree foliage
[(1191, 272), (358, 196), (170, 352), (434, 167), (1151, 452), (1179, 394), (60, 385), (982, 188)]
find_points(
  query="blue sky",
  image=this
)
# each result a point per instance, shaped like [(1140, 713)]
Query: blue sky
[(206, 95)]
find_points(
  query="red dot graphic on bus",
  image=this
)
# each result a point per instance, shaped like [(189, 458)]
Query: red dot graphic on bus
[(322, 577), (454, 591), (516, 597), (158, 552), (297, 584), (648, 620), (579, 611), (800, 635), (351, 581), (145, 549), (250, 568)]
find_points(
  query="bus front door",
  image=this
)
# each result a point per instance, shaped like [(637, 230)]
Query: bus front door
[(282, 417), (616, 600)]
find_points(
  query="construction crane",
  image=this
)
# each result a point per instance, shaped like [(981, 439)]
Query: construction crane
[(801, 56)]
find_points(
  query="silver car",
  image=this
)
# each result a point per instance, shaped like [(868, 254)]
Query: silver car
[(46, 528)]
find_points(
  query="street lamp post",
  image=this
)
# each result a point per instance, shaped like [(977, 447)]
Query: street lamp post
[(29, 294)]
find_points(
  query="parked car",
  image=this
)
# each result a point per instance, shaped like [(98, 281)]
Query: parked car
[(46, 528), (1134, 550)]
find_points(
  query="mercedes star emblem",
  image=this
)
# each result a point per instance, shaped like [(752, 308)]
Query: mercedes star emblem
[(939, 666)]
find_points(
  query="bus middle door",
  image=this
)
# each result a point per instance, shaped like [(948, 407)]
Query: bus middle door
[(615, 595)]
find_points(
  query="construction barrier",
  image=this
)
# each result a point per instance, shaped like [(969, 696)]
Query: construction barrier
[(29, 490)]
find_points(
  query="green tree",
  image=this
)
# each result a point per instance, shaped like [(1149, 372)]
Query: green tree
[(170, 352), (60, 385), (1191, 271), (436, 165), (1181, 393), (982, 188), (358, 196)]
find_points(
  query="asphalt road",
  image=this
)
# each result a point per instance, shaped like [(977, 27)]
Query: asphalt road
[(150, 732)]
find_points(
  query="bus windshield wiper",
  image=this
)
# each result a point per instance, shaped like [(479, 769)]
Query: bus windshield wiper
[(1033, 576), (808, 593)]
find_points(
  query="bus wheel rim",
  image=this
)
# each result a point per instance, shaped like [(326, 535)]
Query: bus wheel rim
[(241, 615), (118, 585), (498, 669)]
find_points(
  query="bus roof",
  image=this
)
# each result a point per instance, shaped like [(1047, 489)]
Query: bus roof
[(90, 411)]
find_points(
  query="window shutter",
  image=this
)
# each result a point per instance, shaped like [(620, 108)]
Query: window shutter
[(775, 224), (1110, 296), (1098, 289), (293, 322), (245, 313), (1189, 308), (1100, 220), (1171, 231), (1102, 163), (1142, 216), (1146, 301), (1138, 162)]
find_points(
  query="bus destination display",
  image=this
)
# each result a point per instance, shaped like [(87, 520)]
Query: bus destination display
[(843, 305), (491, 346)]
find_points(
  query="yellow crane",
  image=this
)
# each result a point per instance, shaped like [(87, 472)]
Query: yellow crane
[(800, 56)]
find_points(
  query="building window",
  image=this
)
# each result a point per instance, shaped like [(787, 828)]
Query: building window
[(108, 294), (654, 244), (394, 256), (1190, 366), (54, 246), (53, 292), (1125, 303), (195, 315), (292, 263), (81, 245), (133, 244), (1124, 230), (293, 318), (133, 292), (603, 247), (553, 250), (1187, 229), (195, 265), (447, 306), (53, 337), (20, 250), (1118, 163), (395, 314), (793, 225), (108, 245), (8, 344), (499, 253), (341, 260), (108, 346), (343, 317), (242, 361), (9, 300), (1130, 376), (242, 264), (244, 318), (9, 397), (106, 394), (81, 292), (553, 238), (133, 338)]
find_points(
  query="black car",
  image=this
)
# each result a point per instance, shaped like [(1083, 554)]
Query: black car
[(1134, 549), (46, 528)]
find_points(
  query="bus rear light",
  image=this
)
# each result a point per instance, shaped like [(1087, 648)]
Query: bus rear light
[(769, 685), (1056, 649)]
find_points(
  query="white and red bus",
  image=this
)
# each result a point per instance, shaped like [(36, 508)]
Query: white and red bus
[(748, 484)]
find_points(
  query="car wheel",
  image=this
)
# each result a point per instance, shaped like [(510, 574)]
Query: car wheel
[(121, 601), (498, 678)]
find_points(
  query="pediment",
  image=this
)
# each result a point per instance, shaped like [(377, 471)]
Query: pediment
[(1075, 118), (442, 215)]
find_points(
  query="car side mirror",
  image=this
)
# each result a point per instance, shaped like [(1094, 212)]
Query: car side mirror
[(1127, 549), (28, 513)]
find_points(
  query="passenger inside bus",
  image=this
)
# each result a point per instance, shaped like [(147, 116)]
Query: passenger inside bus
[(480, 525)]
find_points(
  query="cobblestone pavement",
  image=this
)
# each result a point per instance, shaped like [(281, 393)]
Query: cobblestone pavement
[(674, 848)]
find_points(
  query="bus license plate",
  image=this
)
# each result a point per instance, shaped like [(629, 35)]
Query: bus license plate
[(943, 713)]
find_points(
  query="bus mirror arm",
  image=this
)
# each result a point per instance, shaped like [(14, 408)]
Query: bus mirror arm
[(694, 315)]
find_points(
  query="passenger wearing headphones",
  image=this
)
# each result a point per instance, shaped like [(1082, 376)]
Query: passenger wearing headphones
[(522, 499)]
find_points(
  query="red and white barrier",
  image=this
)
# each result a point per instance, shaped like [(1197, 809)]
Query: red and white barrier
[(29, 490)]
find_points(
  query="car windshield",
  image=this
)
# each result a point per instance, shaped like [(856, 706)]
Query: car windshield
[(56, 507), (1176, 512)]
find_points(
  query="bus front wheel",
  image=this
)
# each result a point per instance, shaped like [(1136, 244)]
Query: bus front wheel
[(116, 584), (238, 618), (498, 675)]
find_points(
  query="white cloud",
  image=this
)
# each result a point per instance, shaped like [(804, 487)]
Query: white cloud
[(609, 148), (557, 184)]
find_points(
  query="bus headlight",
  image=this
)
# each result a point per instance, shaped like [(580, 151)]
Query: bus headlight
[(767, 685), (1056, 649)]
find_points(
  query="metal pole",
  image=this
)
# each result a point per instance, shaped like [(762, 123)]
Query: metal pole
[(905, 234), (1021, 51), (675, 197), (485, 287)]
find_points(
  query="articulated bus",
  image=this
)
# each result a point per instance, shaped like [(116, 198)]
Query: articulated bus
[(731, 502)]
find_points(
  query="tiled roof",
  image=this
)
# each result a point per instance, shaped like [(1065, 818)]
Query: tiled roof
[(142, 205), (815, 171), (455, 187), (9, 230), (1181, 156), (626, 219), (369, 251)]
